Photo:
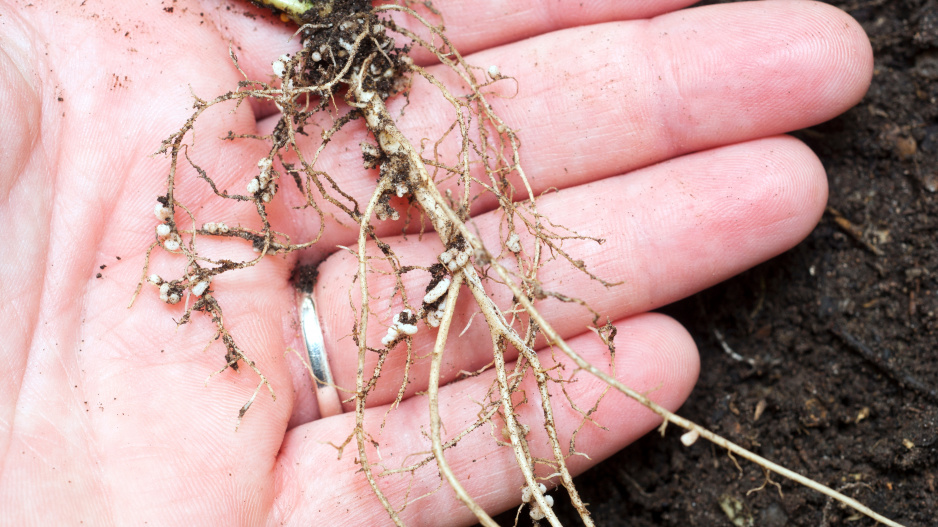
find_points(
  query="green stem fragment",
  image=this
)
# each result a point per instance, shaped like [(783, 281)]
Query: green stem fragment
[(296, 10)]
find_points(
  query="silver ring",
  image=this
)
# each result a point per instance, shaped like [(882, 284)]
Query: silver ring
[(327, 396)]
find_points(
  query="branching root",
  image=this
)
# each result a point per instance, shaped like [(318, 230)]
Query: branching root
[(349, 64)]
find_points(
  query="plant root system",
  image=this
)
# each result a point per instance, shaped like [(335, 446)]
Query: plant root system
[(350, 62)]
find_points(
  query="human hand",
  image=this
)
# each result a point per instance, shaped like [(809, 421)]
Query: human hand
[(662, 136)]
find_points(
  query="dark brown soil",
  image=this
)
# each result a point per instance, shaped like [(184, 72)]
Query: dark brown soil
[(841, 329)]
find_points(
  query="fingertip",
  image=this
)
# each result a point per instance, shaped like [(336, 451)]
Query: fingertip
[(754, 69), (765, 196), (808, 183), (793, 196), (844, 53), (669, 358), (655, 356)]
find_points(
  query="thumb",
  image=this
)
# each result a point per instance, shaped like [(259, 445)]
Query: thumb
[(25, 203)]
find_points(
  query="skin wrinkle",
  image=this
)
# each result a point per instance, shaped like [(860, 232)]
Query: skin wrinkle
[(20, 114), (49, 432), (31, 239)]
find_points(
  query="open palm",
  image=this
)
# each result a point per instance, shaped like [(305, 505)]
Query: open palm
[(660, 133)]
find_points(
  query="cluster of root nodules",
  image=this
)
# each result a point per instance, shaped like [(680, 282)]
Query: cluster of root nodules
[(354, 55)]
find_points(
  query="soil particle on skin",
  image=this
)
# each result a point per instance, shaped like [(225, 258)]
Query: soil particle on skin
[(304, 277), (843, 337)]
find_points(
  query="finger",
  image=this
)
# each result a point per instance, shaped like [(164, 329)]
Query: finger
[(655, 355), (671, 230), (594, 102), (261, 36), (474, 26)]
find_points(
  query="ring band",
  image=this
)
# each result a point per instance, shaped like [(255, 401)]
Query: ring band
[(327, 396)]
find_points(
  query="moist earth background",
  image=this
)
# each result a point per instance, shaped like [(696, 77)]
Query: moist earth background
[(839, 372)]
